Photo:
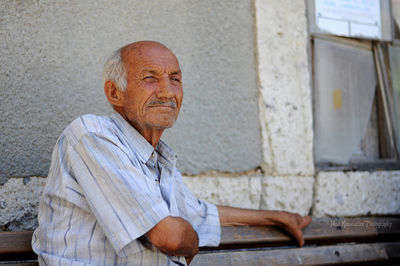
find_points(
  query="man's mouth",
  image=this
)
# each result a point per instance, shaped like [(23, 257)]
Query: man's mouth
[(159, 103)]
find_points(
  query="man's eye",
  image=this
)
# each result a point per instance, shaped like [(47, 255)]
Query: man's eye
[(176, 79), (149, 78)]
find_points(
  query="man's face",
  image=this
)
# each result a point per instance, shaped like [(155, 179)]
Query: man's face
[(153, 96)]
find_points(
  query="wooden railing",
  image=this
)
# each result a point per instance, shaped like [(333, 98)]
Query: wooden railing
[(327, 241)]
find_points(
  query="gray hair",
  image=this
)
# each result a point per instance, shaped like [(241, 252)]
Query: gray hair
[(114, 70)]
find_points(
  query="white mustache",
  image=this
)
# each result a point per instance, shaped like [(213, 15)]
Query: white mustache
[(169, 103)]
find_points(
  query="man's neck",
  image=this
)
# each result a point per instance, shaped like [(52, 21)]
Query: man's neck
[(151, 134), (153, 138)]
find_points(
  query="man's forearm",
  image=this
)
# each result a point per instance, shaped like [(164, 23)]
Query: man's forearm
[(291, 222), (229, 216)]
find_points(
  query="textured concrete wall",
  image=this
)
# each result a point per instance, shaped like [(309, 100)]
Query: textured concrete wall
[(286, 115), (285, 105), (19, 202), (357, 193), (255, 191), (52, 54)]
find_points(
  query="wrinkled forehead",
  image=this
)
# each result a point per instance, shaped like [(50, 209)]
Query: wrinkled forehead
[(148, 53)]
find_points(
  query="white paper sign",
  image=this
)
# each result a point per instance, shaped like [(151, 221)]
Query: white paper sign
[(352, 18)]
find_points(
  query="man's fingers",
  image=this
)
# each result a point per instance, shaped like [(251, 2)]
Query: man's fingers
[(300, 238), (306, 221), (297, 234), (299, 224), (293, 223)]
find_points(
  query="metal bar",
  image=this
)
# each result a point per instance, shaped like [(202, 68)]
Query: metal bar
[(382, 85)]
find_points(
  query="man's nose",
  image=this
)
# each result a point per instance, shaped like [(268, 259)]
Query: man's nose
[(165, 89)]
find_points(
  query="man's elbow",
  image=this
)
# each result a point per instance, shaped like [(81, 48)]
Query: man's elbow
[(181, 243), (178, 245), (178, 238)]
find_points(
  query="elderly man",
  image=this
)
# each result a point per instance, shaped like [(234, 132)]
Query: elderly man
[(113, 195)]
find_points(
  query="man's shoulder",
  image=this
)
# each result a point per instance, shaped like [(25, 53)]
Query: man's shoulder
[(88, 124), (92, 123)]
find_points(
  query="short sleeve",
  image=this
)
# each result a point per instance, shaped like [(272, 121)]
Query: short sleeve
[(203, 216), (125, 202)]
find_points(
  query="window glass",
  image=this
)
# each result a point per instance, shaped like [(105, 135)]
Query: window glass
[(345, 83)]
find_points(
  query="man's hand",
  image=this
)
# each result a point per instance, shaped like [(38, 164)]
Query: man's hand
[(293, 223), (176, 237)]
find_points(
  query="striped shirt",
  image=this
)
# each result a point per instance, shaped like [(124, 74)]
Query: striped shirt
[(107, 187)]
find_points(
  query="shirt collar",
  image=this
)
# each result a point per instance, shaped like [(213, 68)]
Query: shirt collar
[(142, 146), (167, 155)]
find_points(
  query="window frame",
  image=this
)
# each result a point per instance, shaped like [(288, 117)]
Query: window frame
[(392, 163)]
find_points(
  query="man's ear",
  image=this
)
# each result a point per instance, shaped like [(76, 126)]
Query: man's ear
[(113, 94)]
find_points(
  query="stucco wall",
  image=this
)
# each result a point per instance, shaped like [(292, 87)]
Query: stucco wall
[(52, 55)]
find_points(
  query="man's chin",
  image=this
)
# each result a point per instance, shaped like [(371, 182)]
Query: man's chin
[(164, 124)]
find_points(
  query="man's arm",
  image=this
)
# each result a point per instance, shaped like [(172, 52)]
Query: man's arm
[(290, 222), (175, 236)]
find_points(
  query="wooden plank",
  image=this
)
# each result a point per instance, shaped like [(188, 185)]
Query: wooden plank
[(393, 252), (253, 234), (320, 231), (11, 242), (27, 263), (365, 229), (323, 255), (16, 246)]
